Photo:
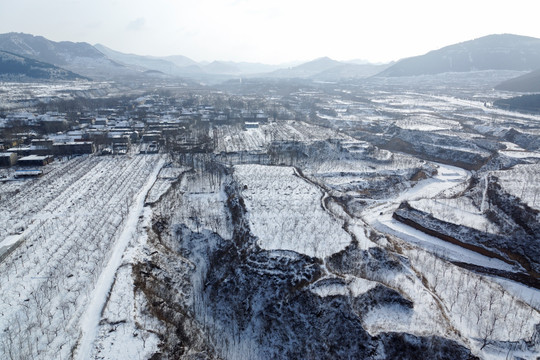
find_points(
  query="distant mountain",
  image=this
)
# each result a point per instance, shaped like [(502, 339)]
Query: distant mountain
[(222, 67), (247, 68), (358, 62), (306, 70), (81, 58), (493, 52), (184, 66), (16, 67), (144, 63), (529, 82), (180, 60), (350, 71), (328, 69), (42, 49)]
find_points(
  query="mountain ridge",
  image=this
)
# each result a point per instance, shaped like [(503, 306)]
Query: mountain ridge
[(14, 66), (491, 52), (78, 57), (163, 65)]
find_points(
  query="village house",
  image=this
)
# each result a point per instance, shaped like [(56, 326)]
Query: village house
[(8, 159), (35, 160), (29, 173)]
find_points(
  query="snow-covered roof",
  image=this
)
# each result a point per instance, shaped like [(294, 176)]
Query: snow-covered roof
[(35, 157)]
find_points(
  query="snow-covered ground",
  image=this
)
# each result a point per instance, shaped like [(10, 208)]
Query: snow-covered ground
[(167, 176), (478, 307), (460, 211), (202, 204), (286, 212), (234, 138), (14, 95), (448, 177), (92, 316), (354, 286), (428, 123), (522, 182), (68, 291), (68, 238)]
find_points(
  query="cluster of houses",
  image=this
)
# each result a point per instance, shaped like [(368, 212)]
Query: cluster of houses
[(42, 152), (148, 123)]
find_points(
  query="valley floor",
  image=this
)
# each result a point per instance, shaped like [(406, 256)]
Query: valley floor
[(406, 228)]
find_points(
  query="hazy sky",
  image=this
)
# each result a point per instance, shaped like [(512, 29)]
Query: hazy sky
[(271, 31)]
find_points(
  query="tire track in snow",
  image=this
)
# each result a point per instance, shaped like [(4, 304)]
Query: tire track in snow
[(91, 318)]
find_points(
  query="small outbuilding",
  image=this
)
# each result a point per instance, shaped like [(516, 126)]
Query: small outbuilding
[(8, 159), (35, 160), (74, 148), (28, 173)]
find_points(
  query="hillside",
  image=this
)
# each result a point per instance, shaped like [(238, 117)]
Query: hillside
[(524, 103), (493, 52), (529, 82), (16, 67), (328, 70), (306, 69), (348, 71), (42, 49), (167, 66), (81, 58), (180, 65), (101, 62)]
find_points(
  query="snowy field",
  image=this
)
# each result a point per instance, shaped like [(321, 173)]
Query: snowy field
[(522, 181), (475, 306), (459, 211), (428, 122), (448, 181), (166, 178), (380, 162), (234, 138), (72, 225), (14, 95), (287, 212), (479, 307)]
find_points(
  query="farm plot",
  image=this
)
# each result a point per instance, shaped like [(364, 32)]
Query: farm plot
[(459, 211), (198, 202), (48, 281), (235, 139), (427, 122), (376, 161), (23, 199), (495, 321), (167, 176), (368, 176), (286, 212), (522, 181)]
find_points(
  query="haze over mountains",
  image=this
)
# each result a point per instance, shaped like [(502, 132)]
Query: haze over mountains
[(493, 52)]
